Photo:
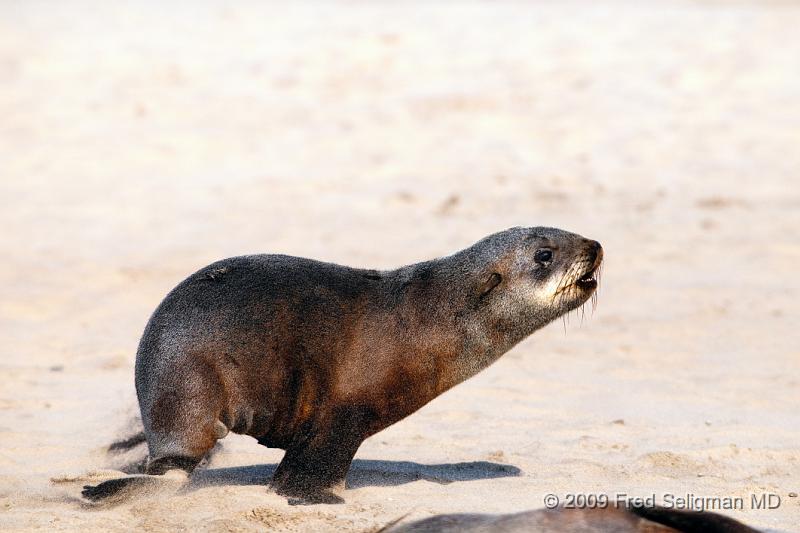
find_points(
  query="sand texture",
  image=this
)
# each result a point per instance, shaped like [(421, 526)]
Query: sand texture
[(139, 142)]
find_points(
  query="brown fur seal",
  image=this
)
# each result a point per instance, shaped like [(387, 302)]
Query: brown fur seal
[(608, 520), (313, 357)]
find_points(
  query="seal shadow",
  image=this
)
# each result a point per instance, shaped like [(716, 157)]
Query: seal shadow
[(363, 473)]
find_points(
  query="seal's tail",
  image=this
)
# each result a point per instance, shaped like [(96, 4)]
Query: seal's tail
[(692, 521)]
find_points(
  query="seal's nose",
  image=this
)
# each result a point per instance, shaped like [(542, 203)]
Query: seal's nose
[(596, 250)]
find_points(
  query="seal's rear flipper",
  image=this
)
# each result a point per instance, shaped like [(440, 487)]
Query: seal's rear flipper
[(117, 489), (127, 443)]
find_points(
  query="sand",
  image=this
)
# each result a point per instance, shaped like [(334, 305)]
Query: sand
[(140, 142)]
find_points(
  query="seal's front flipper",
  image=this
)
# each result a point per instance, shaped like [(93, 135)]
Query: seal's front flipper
[(314, 498), (313, 474)]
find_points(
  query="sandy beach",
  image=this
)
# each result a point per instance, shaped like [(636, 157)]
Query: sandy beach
[(140, 142)]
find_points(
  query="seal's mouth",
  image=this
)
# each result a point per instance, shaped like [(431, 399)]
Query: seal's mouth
[(583, 276), (588, 281)]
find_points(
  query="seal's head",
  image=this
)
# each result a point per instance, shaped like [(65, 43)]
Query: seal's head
[(562, 267), (539, 273)]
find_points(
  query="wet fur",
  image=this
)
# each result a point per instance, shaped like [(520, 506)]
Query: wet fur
[(314, 357)]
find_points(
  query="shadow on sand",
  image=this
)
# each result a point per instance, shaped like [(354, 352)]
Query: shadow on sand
[(364, 473)]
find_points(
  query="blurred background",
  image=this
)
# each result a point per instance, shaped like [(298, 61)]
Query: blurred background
[(141, 141)]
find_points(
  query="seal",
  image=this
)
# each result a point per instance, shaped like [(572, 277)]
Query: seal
[(314, 358), (584, 520)]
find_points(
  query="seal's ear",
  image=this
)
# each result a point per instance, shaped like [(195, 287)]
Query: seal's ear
[(490, 283)]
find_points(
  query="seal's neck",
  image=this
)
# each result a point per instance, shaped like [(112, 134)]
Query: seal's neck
[(488, 336), (447, 310)]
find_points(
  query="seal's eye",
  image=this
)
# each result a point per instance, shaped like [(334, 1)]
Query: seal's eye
[(543, 256)]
